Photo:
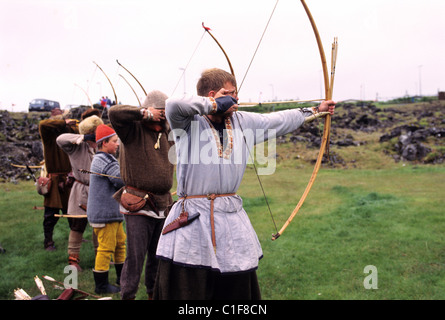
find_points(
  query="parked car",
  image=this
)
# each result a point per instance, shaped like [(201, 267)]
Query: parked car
[(43, 105), (71, 106)]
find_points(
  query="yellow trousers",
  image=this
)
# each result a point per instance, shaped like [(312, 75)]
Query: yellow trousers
[(111, 239)]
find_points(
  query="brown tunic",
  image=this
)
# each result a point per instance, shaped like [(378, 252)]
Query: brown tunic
[(57, 162), (142, 166)]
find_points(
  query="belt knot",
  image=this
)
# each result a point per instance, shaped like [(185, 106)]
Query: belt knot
[(211, 196)]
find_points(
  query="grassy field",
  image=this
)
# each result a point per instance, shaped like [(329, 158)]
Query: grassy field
[(390, 218), (368, 211)]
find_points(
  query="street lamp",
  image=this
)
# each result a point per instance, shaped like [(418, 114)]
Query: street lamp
[(420, 80), (273, 92)]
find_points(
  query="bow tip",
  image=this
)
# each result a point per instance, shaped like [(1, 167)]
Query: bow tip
[(206, 28), (275, 236)]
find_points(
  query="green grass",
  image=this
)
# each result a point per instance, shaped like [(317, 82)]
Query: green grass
[(369, 211), (389, 218), (22, 237)]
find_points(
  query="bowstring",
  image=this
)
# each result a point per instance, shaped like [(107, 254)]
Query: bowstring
[(256, 172), (258, 46), (188, 63), (239, 123)]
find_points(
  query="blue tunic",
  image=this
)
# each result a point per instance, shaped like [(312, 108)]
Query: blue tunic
[(102, 208)]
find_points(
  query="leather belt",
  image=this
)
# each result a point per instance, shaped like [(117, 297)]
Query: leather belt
[(85, 184), (183, 219)]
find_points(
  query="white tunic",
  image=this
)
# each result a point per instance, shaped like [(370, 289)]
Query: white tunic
[(80, 154), (204, 169)]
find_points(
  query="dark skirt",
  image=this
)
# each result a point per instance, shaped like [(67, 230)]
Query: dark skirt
[(175, 282)]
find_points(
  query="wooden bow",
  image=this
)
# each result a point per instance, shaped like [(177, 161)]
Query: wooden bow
[(86, 93), (139, 101), (328, 85), (114, 91), (222, 49), (132, 76)]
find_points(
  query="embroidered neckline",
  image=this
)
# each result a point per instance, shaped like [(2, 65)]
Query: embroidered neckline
[(229, 131)]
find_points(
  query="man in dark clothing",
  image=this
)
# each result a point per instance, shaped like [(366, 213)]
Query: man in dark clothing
[(57, 167), (148, 175)]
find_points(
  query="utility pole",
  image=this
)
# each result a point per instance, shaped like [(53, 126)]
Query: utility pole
[(420, 80)]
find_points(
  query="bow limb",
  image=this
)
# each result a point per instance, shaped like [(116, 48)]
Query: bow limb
[(133, 77), (139, 101), (222, 49), (327, 126), (92, 106), (114, 91), (324, 64), (26, 166)]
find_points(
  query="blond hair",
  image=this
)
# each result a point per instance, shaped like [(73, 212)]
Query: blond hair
[(213, 80), (89, 125)]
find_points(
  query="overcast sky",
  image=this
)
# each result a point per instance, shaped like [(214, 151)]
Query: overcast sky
[(387, 48)]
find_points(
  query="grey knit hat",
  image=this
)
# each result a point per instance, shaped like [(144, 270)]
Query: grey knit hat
[(155, 99)]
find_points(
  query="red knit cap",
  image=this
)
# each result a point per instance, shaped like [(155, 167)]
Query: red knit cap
[(103, 131)]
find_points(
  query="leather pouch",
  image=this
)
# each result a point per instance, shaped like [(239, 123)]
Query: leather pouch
[(43, 185), (70, 180), (181, 221), (132, 202)]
